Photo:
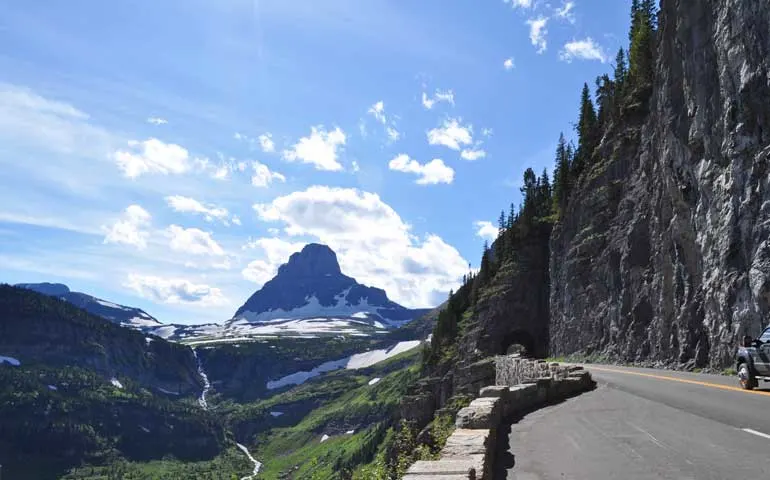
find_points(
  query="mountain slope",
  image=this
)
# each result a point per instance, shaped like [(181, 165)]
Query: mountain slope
[(75, 389), (39, 329), (120, 314)]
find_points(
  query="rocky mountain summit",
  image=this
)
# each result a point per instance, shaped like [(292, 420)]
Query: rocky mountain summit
[(312, 285)]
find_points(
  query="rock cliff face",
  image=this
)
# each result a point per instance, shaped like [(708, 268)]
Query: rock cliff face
[(664, 253)]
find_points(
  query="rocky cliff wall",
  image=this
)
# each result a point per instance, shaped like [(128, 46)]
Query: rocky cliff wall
[(664, 252)]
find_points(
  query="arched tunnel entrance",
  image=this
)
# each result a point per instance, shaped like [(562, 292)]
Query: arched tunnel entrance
[(521, 342)]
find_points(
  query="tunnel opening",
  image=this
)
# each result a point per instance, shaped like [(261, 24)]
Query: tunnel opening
[(518, 342)]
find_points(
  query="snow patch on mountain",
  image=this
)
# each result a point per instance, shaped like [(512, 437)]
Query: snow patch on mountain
[(10, 361), (105, 303), (313, 308), (353, 362)]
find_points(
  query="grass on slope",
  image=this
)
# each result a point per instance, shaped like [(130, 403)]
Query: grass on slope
[(365, 409)]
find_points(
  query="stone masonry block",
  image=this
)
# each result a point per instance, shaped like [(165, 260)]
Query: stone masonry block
[(482, 413)]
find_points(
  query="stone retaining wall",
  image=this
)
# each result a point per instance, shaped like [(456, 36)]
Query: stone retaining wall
[(470, 450)]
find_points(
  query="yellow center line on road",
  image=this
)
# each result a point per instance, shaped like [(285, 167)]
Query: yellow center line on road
[(673, 379)]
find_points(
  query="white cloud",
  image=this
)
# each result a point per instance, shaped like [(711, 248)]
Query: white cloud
[(276, 252), (367, 235), (266, 142), (193, 241), (319, 149), (157, 121), (354, 166), (221, 173), (263, 176), (446, 96), (508, 64), (152, 156), (432, 173), (189, 205), (566, 12), (130, 230), (538, 33), (378, 112), (40, 122), (236, 220), (585, 49), (393, 134), (174, 290), (486, 230), (452, 134), (426, 101), (486, 132), (472, 155), (259, 272), (519, 3)]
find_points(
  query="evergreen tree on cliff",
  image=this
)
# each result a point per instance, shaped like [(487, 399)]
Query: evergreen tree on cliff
[(587, 129), (605, 99), (544, 206), (561, 175), (642, 51)]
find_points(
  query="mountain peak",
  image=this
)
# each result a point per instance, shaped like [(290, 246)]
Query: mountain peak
[(312, 285), (314, 260)]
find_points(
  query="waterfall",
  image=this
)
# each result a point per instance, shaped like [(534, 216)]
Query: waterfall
[(257, 463), (205, 406), (206, 383)]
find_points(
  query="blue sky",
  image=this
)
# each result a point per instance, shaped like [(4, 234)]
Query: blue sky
[(171, 154)]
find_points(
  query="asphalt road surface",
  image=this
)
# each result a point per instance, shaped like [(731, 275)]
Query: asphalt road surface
[(642, 424)]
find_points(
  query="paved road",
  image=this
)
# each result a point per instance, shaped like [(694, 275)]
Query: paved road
[(642, 424)]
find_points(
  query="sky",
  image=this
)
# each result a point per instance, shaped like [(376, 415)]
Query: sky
[(170, 155)]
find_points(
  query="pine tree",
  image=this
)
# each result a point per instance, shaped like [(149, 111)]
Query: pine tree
[(621, 69), (485, 270), (650, 10), (587, 132), (501, 224), (605, 99), (544, 200), (634, 12), (529, 196), (642, 50), (561, 175)]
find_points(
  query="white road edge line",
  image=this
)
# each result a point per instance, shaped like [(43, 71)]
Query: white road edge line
[(754, 432)]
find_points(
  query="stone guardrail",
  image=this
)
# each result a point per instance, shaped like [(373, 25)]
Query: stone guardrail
[(470, 450)]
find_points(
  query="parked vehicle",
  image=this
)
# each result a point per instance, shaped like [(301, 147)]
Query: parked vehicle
[(753, 360)]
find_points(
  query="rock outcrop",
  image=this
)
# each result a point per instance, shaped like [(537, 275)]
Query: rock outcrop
[(664, 252)]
